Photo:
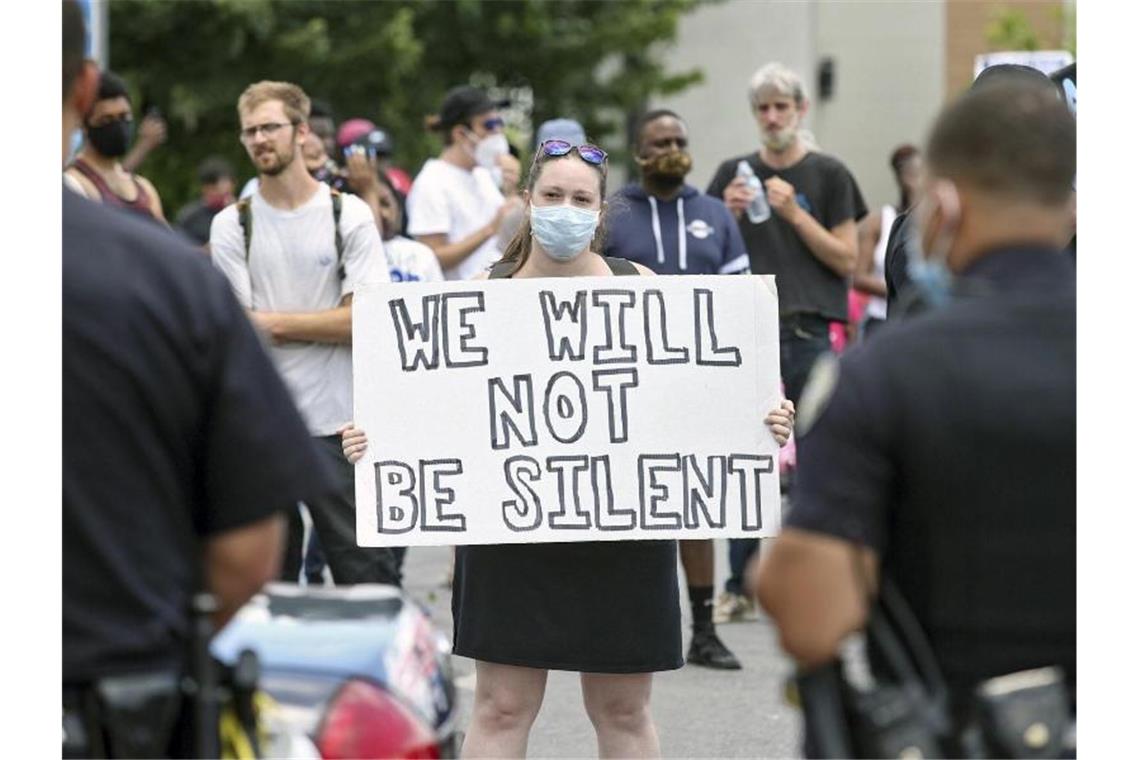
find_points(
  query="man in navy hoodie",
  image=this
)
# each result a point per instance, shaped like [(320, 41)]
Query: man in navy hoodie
[(674, 228)]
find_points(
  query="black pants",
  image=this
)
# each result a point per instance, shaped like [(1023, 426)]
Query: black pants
[(803, 339), (334, 520)]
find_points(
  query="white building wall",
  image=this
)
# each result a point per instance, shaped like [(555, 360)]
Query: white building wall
[(889, 77), (889, 83), (729, 41)]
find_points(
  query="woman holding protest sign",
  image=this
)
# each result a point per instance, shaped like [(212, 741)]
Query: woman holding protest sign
[(609, 610)]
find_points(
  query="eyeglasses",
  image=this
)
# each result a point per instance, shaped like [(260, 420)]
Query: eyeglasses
[(591, 154), (493, 123), (250, 133)]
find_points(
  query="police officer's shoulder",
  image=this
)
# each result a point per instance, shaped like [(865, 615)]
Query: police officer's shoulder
[(139, 254), (884, 365)]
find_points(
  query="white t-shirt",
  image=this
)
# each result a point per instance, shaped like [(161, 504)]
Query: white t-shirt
[(447, 199), (293, 267), (411, 261), (877, 305)]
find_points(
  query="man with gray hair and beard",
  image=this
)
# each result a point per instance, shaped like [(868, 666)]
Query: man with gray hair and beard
[(808, 241)]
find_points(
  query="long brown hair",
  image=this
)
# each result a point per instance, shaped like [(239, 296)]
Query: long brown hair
[(518, 250)]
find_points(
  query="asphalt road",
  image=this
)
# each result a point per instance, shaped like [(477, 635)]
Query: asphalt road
[(699, 712)]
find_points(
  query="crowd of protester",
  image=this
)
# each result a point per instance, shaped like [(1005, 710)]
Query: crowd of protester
[(328, 210)]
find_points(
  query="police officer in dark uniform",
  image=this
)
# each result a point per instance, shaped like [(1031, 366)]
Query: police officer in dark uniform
[(942, 456), (901, 298), (181, 449)]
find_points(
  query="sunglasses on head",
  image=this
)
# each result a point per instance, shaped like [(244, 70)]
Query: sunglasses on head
[(591, 154)]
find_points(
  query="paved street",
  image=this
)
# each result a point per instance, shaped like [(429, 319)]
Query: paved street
[(699, 712)]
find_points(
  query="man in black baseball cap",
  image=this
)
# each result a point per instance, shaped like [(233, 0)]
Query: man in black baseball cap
[(455, 206), (461, 104)]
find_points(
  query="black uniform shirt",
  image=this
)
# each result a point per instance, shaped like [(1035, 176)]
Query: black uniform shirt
[(826, 190), (176, 427), (949, 447)]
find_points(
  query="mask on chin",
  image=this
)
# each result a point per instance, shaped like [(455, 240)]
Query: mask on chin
[(668, 168), (929, 271)]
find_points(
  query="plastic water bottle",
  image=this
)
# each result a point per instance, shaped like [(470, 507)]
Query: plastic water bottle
[(758, 209)]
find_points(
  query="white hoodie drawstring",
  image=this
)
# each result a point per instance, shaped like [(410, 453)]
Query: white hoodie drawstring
[(657, 230), (682, 246)]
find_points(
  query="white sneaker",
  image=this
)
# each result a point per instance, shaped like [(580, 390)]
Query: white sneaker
[(734, 608)]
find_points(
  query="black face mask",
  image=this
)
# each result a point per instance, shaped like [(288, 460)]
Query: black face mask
[(113, 139)]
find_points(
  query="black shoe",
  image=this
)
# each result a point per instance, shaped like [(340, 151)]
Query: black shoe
[(708, 650)]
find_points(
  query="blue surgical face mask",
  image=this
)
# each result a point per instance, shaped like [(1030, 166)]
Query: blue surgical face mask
[(928, 270), (932, 278), (563, 231)]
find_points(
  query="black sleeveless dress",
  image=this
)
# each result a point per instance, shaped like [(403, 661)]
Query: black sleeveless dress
[(591, 607)]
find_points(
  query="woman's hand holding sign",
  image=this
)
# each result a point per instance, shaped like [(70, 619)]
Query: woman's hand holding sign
[(781, 420), (353, 442)]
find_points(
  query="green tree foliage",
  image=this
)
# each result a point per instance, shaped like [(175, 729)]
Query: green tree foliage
[(390, 62), (1011, 30)]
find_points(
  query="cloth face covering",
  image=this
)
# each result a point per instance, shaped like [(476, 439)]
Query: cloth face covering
[(113, 139), (673, 165)]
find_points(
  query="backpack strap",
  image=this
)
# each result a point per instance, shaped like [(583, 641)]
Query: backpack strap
[(336, 206), (245, 219), (620, 266)]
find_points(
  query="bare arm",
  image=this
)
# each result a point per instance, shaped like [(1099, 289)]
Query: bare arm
[(451, 255), (806, 582), (239, 562), (836, 247), (328, 326), (865, 280), (152, 133), (155, 200)]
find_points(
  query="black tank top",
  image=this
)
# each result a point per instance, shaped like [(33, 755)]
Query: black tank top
[(504, 269)]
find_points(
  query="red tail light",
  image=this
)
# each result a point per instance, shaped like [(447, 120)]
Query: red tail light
[(364, 721)]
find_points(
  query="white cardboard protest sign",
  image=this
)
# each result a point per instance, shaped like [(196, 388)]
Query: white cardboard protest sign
[(566, 409)]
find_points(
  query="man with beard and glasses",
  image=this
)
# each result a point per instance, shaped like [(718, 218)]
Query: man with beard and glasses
[(108, 129), (294, 255), (674, 228), (808, 242)]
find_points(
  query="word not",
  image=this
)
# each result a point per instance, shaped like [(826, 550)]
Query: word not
[(564, 407)]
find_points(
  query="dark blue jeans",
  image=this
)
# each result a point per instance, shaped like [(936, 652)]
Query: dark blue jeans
[(803, 338)]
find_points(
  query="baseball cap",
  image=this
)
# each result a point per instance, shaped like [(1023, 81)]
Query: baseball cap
[(560, 129), (364, 132), (463, 102)]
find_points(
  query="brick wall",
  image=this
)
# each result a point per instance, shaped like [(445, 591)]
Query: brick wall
[(966, 23)]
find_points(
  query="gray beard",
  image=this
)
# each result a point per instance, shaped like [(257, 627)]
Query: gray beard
[(780, 141)]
